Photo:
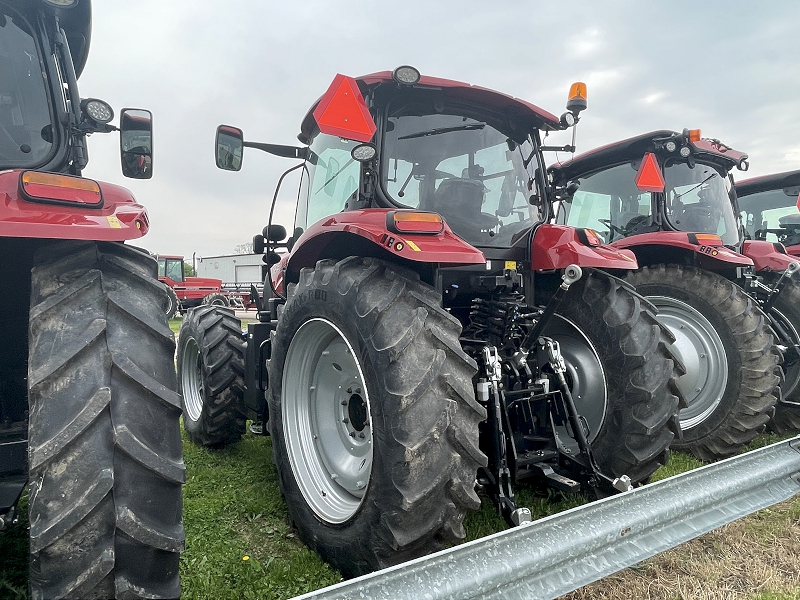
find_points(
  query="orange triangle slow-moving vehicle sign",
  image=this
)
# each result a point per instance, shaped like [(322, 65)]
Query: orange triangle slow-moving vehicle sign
[(343, 112), (649, 177)]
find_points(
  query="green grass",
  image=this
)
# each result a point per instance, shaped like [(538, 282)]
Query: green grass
[(238, 541)]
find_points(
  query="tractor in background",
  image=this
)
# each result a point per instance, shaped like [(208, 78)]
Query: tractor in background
[(427, 335), (186, 291), (769, 208), (89, 415), (668, 197)]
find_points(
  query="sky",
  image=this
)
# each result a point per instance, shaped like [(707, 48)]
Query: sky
[(729, 68)]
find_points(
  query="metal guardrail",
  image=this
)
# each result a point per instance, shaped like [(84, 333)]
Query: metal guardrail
[(560, 553)]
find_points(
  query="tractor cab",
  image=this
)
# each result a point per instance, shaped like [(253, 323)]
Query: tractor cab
[(769, 208), (421, 144), (43, 119), (659, 181)]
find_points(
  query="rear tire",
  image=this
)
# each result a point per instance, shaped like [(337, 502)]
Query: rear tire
[(725, 344), (363, 348), (621, 373), (786, 311), (211, 376), (104, 438), (172, 302), (217, 300)]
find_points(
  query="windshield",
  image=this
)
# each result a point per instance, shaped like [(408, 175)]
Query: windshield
[(698, 200), (608, 202), (25, 125), (472, 174), (331, 179), (773, 209)]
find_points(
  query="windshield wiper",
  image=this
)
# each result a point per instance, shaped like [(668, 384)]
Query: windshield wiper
[(679, 196), (441, 130)]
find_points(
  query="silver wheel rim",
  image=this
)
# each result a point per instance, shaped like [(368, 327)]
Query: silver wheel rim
[(585, 376), (792, 372), (192, 380), (326, 420), (699, 347)]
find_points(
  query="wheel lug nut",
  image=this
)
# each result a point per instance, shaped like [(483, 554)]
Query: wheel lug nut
[(349, 390), (344, 402), (352, 434), (361, 435), (345, 420)]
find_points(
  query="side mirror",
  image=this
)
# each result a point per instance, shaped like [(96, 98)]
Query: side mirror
[(274, 233), (229, 148), (258, 244), (136, 143)]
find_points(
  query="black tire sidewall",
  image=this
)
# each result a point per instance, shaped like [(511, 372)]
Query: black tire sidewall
[(620, 368), (190, 330), (730, 347), (349, 536)]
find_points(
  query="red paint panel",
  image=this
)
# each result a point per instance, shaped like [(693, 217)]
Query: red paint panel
[(765, 257), (343, 112), (120, 218), (680, 239), (558, 246), (445, 248)]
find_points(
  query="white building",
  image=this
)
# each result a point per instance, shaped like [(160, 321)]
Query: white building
[(233, 269)]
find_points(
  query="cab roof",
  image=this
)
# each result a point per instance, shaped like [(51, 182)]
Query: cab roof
[(455, 90), (775, 181), (633, 149)]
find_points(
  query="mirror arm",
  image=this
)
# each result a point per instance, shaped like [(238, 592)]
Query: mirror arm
[(279, 150)]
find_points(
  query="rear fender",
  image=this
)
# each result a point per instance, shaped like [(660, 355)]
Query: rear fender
[(712, 256), (558, 246), (365, 233), (767, 256), (119, 218)]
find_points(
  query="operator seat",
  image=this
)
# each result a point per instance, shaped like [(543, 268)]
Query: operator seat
[(459, 201)]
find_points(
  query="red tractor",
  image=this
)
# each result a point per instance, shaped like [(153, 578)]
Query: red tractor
[(88, 416), (668, 197), (428, 336), (186, 291), (770, 210)]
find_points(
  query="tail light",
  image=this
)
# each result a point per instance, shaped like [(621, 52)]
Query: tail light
[(414, 222), (60, 189), (705, 239), (589, 237)]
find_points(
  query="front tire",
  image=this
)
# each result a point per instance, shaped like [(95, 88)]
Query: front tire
[(372, 415), (211, 376), (104, 439), (786, 311), (621, 373), (733, 367)]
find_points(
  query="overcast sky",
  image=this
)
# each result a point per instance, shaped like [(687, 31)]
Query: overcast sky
[(729, 68)]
